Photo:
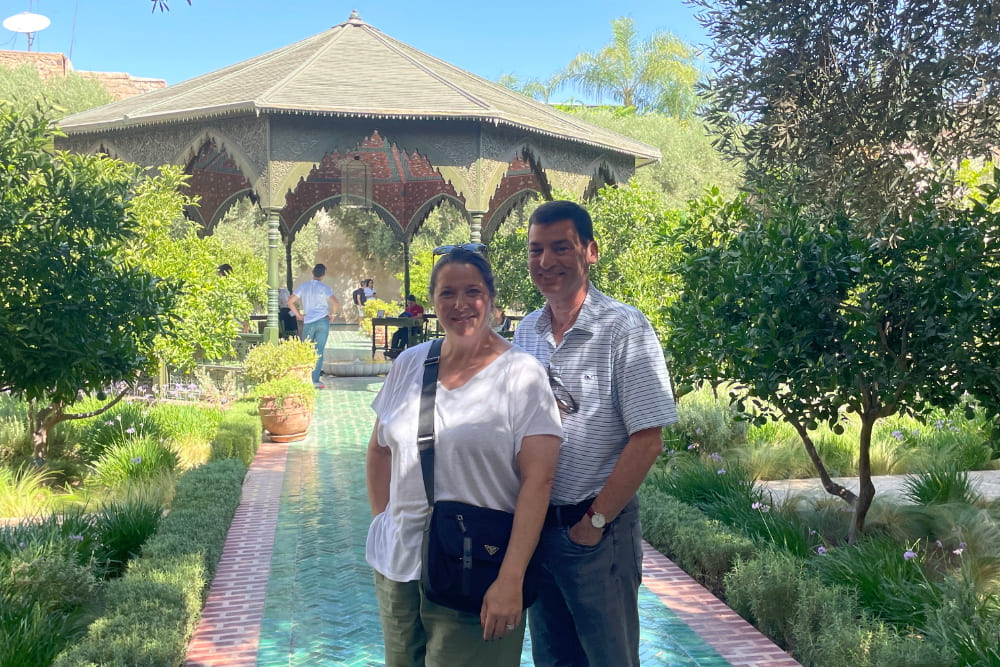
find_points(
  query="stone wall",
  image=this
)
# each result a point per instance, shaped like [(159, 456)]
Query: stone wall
[(119, 84)]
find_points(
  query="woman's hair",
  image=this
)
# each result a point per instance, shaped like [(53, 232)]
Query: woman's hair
[(462, 256)]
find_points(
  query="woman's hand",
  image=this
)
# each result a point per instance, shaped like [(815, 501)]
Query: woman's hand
[(501, 612)]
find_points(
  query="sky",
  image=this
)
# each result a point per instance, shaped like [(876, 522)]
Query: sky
[(527, 38)]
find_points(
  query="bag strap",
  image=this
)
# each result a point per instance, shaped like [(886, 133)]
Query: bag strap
[(425, 424)]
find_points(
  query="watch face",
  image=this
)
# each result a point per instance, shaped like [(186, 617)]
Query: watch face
[(597, 520)]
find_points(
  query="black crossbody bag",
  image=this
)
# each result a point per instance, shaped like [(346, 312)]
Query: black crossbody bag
[(464, 545)]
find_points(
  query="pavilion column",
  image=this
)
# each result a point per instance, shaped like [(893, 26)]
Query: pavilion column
[(476, 228), (406, 268), (273, 239)]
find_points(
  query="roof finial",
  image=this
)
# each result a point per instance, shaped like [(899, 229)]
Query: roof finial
[(354, 18)]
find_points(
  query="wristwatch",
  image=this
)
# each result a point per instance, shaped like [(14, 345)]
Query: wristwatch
[(597, 519)]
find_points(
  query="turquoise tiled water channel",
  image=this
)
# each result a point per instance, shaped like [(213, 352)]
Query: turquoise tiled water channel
[(320, 607)]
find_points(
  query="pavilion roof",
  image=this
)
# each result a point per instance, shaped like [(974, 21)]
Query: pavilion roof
[(351, 70)]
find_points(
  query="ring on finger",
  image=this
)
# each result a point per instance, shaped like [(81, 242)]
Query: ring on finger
[(511, 626)]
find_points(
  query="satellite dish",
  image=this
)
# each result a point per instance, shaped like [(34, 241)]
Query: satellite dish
[(27, 23)]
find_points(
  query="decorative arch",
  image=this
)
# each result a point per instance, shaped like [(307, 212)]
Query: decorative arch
[(413, 225), (226, 204), (225, 143), (105, 147), (384, 214), (215, 179), (603, 175), (401, 183), (504, 209)]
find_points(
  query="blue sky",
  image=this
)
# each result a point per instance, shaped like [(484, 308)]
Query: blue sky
[(527, 38)]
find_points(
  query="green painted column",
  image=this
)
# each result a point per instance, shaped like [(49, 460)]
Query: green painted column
[(476, 228), (273, 241), (406, 268)]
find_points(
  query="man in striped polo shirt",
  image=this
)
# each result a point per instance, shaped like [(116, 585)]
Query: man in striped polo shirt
[(607, 370)]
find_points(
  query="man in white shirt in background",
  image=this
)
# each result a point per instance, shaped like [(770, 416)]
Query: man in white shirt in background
[(318, 308)]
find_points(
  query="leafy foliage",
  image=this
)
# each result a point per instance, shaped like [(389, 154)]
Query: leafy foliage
[(867, 99), (25, 89), (65, 294), (270, 362), (810, 316)]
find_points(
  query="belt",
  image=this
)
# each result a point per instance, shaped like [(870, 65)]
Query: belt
[(567, 515)]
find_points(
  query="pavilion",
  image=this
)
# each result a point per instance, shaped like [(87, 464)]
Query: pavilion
[(351, 115)]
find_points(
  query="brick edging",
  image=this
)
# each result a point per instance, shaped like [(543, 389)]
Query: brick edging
[(229, 631), (741, 644)]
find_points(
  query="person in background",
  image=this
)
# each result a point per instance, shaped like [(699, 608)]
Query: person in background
[(318, 308), (609, 377), (401, 338), (370, 289), (496, 442), (289, 324), (358, 297)]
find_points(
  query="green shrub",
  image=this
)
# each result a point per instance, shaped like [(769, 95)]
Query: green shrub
[(939, 484), (289, 388), (765, 591), (890, 583), (705, 481), (268, 362), (31, 635), (154, 607), (24, 492), (967, 623), (123, 528), (123, 422), (239, 434), (706, 420), (131, 460)]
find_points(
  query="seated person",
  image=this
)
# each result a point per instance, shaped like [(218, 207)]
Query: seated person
[(401, 339), (289, 325)]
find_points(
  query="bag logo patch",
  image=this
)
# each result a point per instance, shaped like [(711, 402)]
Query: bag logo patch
[(490, 549)]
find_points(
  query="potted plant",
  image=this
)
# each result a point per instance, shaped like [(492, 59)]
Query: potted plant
[(270, 362), (285, 395), (285, 406)]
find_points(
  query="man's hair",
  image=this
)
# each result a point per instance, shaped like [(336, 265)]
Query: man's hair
[(462, 256), (552, 212), (319, 271), (410, 297), (225, 269)]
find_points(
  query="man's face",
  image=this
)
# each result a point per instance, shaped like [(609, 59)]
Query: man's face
[(559, 262)]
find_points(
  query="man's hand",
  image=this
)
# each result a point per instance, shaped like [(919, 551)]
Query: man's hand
[(583, 532)]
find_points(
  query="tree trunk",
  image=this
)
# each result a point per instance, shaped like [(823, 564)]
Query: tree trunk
[(40, 421), (831, 487), (866, 492)]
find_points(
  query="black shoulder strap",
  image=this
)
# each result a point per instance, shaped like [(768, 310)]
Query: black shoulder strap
[(425, 424)]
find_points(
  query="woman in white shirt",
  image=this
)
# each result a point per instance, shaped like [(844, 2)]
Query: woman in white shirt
[(498, 433)]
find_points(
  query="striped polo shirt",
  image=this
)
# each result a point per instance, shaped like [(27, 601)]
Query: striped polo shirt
[(611, 362)]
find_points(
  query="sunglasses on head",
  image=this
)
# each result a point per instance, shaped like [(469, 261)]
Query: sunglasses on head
[(471, 247)]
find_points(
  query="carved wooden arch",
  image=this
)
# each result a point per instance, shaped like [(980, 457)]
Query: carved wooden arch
[(420, 216), (110, 149), (216, 181), (384, 215), (504, 209), (227, 204), (603, 175), (225, 143)]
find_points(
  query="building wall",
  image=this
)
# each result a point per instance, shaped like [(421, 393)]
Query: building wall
[(49, 65)]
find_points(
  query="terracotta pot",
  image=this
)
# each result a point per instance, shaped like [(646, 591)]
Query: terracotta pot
[(285, 423)]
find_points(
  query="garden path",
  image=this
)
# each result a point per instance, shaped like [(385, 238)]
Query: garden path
[(293, 587), (987, 482)]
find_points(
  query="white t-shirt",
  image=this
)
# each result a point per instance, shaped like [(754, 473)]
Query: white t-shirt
[(314, 295), (478, 429)]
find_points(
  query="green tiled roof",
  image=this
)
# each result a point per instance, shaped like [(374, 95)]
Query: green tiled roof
[(351, 70)]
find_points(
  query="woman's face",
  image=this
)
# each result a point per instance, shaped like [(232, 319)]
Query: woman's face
[(461, 300)]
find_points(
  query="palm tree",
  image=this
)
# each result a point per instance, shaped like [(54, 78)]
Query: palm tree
[(657, 74), (533, 88)]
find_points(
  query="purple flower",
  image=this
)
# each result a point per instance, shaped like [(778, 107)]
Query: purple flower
[(757, 505), (898, 435), (21, 545), (192, 386), (136, 460), (720, 471), (812, 532), (958, 552), (76, 538), (715, 457), (130, 430), (938, 543), (821, 550), (108, 423), (698, 431), (961, 545), (939, 424), (909, 554), (693, 445)]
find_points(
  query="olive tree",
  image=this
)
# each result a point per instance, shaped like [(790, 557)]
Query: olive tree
[(75, 314), (809, 318), (867, 99)]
